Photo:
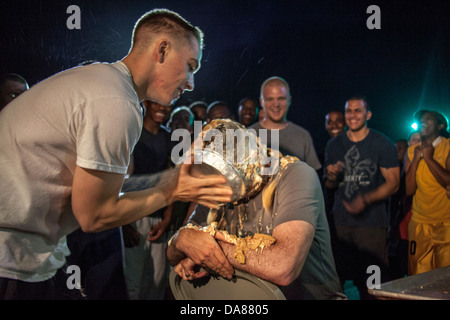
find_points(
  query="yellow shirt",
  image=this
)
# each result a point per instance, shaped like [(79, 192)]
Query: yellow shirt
[(430, 202)]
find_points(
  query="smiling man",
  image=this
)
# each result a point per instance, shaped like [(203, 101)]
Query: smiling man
[(362, 166), (67, 168), (294, 140)]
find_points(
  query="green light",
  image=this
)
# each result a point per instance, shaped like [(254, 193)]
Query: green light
[(414, 126)]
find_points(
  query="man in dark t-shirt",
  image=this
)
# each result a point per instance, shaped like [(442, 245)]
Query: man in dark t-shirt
[(361, 164)]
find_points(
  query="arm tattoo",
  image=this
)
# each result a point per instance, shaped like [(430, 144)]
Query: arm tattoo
[(139, 182)]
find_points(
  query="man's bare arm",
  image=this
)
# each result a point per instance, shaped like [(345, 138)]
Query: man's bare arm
[(282, 262), (201, 248), (387, 189)]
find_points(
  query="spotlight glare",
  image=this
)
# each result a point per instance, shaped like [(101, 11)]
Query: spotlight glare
[(414, 126)]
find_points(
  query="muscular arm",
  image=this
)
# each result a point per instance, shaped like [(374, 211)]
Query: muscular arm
[(388, 188), (282, 262), (97, 205)]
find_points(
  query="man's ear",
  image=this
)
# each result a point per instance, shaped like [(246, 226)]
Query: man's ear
[(369, 115), (162, 50)]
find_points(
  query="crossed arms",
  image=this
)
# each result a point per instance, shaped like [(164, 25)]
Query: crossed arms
[(280, 263)]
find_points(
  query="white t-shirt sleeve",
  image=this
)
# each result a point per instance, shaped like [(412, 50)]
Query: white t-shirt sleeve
[(106, 130)]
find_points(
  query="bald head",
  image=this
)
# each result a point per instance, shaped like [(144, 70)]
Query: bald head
[(274, 81)]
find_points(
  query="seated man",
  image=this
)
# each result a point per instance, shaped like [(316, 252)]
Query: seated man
[(288, 205)]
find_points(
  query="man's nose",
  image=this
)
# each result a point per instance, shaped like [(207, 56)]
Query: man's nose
[(189, 85)]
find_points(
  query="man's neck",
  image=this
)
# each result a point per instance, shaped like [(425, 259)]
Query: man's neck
[(267, 124), (359, 135), (136, 65)]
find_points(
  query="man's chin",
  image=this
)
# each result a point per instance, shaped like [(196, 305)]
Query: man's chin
[(173, 101)]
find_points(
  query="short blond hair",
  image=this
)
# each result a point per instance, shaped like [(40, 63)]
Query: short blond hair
[(160, 21)]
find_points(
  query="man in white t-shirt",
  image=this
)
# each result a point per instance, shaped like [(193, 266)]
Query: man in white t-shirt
[(65, 147)]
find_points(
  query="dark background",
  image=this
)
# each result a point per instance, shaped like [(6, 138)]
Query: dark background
[(322, 48)]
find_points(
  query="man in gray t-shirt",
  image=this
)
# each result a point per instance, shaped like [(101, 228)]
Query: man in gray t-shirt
[(361, 165), (293, 141)]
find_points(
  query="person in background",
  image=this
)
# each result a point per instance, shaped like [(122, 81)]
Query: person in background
[(218, 110), (247, 111), (275, 99), (180, 118), (152, 151), (402, 146), (414, 138), (334, 123), (198, 108), (68, 167), (362, 165), (11, 86), (145, 240), (427, 170)]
